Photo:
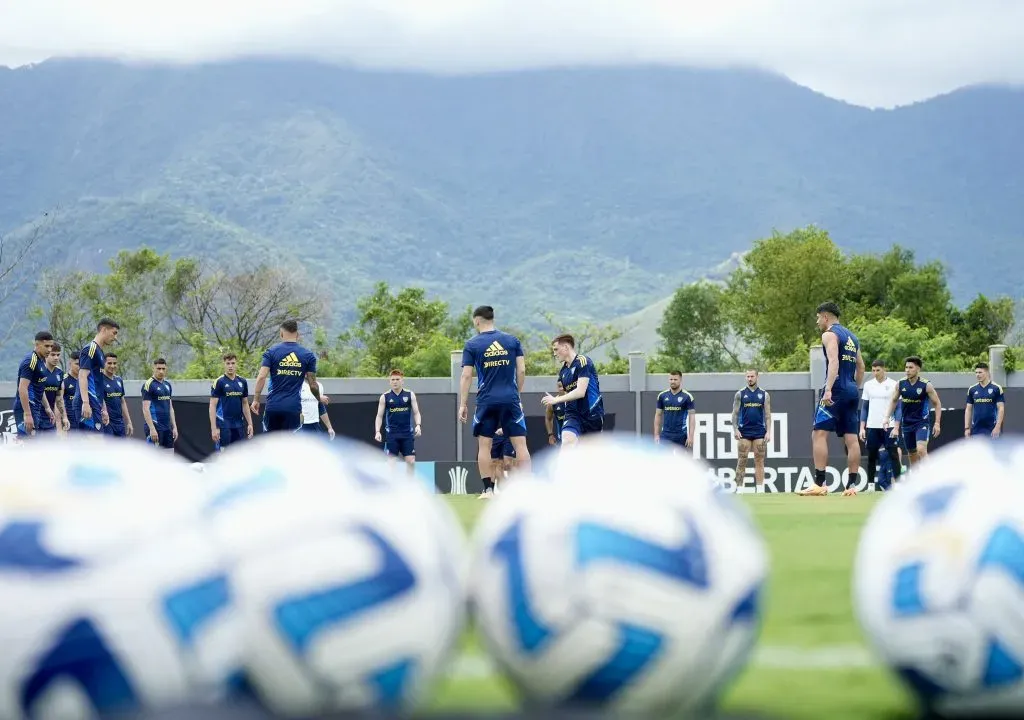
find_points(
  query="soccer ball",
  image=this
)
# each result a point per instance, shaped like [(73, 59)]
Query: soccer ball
[(617, 578), (114, 599), (348, 575), (939, 579)]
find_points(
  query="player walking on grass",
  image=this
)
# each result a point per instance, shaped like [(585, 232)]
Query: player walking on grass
[(584, 406), (675, 415), (31, 378), (90, 409), (114, 401), (500, 366), (837, 410), (873, 421), (752, 425), (915, 394), (158, 408), (53, 417), (70, 390), (230, 419), (398, 415), (285, 366), (986, 405)]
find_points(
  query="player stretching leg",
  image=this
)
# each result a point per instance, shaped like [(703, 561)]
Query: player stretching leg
[(752, 420), (837, 409), (399, 412), (500, 366), (986, 406), (675, 415), (915, 394), (584, 406)]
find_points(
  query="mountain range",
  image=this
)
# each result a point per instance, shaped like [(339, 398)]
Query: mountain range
[(589, 193)]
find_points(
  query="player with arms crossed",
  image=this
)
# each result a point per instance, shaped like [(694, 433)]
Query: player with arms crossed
[(584, 406), (838, 410), (752, 426), (114, 401), (230, 419), (90, 409), (158, 408), (675, 414), (500, 366), (286, 366), (986, 405), (32, 376), (399, 414), (915, 394), (873, 421)]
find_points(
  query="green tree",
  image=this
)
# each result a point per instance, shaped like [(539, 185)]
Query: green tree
[(64, 315), (983, 323), (432, 358), (695, 330), (921, 297), (892, 339), (868, 294), (779, 284)]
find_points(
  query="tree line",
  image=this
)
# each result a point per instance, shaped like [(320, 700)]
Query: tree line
[(761, 314)]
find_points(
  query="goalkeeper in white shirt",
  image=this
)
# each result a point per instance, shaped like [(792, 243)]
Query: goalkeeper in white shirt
[(877, 394)]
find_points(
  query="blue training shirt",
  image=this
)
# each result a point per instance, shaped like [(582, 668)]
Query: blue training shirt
[(845, 385), (398, 414), (751, 418), (113, 394), (914, 398), (92, 359), (592, 404), (70, 391), (51, 389), (159, 394), (288, 363), (231, 394), (493, 354), (985, 400), (33, 369), (675, 411)]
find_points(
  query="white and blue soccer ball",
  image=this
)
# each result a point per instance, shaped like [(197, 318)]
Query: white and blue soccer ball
[(617, 578), (112, 596), (939, 579), (348, 575)]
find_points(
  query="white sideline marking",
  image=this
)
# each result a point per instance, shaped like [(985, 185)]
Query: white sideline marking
[(473, 666)]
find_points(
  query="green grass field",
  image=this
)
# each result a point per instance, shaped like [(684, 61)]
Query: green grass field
[(811, 662)]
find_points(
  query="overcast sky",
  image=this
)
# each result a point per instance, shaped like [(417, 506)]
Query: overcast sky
[(869, 52)]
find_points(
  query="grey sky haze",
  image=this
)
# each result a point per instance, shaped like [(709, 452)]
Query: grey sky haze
[(877, 53)]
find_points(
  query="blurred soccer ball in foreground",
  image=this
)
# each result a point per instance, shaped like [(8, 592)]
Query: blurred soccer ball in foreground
[(939, 579), (618, 578), (348, 575), (112, 596)]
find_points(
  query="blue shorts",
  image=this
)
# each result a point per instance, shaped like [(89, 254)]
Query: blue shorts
[(90, 425), (579, 426), (276, 421), (164, 439), (501, 447), (841, 417), (982, 431), (115, 430), (911, 436), (674, 439), (880, 437), (487, 419), (229, 436), (405, 447)]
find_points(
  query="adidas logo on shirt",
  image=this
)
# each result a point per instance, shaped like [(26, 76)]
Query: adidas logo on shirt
[(290, 360), (495, 349)]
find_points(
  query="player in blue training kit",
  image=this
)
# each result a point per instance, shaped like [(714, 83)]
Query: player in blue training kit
[(500, 366), (839, 405), (230, 419), (89, 407), (986, 405), (917, 396), (112, 387), (584, 406), (285, 366), (53, 394), (158, 408), (32, 375), (752, 425), (69, 391), (675, 414), (398, 416), (554, 418)]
